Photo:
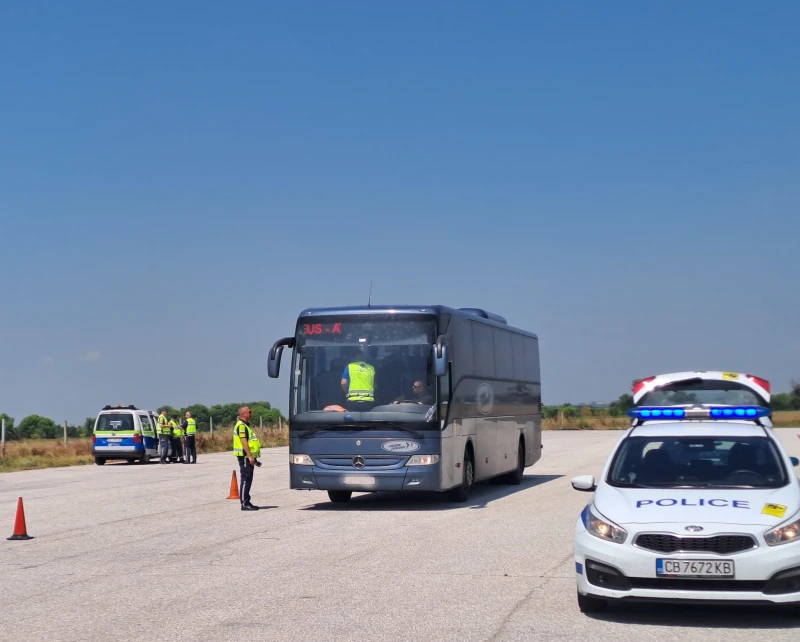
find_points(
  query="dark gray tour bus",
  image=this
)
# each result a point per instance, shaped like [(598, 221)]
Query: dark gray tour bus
[(455, 398)]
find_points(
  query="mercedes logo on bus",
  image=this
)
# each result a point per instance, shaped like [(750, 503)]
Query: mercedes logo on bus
[(358, 462)]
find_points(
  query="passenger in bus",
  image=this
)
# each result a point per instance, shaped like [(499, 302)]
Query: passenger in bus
[(358, 381)]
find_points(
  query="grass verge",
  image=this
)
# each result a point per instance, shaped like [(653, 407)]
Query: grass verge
[(30, 454)]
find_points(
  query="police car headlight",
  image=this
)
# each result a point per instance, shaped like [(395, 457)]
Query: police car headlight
[(783, 534), (601, 527), (423, 460), (301, 460)]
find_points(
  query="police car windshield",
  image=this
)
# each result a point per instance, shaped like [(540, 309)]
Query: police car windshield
[(364, 364), (700, 391), (702, 462)]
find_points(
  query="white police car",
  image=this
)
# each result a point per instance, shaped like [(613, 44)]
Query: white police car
[(698, 502)]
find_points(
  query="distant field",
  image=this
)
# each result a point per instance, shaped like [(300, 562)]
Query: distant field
[(780, 419), (50, 453)]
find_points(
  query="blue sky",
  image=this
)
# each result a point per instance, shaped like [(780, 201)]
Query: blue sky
[(177, 182)]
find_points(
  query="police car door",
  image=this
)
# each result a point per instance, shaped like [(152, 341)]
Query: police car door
[(148, 435)]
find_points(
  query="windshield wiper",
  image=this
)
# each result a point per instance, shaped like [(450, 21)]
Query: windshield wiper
[(370, 426), (311, 431)]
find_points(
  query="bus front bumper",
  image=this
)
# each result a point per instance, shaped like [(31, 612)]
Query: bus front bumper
[(410, 478)]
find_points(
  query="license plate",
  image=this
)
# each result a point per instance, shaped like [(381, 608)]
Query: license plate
[(694, 568), (114, 441), (358, 481)]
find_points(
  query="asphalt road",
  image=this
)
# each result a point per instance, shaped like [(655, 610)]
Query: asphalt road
[(125, 552)]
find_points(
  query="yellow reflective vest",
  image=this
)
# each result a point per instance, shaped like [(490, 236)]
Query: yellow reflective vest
[(164, 427), (191, 426), (177, 431), (362, 382), (241, 429)]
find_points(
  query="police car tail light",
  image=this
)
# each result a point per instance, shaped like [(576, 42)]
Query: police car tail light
[(301, 460), (706, 412), (760, 382), (639, 384), (137, 438), (601, 527), (783, 534), (423, 460)]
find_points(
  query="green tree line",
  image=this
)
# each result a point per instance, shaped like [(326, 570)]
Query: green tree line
[(38, 427), (779, 401)]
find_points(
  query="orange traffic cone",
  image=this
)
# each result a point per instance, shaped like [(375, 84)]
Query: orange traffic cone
[(234, 494), (20, 531)]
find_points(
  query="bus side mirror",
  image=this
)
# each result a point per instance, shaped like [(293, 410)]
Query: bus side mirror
[(439, 358), (274, 359)]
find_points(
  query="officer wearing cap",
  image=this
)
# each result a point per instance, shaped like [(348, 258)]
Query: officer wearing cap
[(247, 449), (164, 435)]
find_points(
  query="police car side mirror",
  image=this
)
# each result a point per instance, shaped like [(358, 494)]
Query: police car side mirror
[(795, 461), (439, 358), (584, 483), (274, 359)]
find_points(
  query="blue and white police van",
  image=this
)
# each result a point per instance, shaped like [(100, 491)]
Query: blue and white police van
[(698, 501), (124, 432)]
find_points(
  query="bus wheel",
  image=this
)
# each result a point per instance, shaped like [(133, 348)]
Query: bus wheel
[(99, 461), (461, 494), (515, 477), (339, 496)]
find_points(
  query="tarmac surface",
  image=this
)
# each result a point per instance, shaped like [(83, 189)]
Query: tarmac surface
[(131, 552)]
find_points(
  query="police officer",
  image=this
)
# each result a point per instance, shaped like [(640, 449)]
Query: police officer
[(190, 426), (358, 382), (247, 449), (177, 435), (164, 434)]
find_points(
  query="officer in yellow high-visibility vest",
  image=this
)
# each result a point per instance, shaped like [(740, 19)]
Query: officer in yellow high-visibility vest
[(247, 449), (358, 382), (177, 436), (190, 426), (164, 435)]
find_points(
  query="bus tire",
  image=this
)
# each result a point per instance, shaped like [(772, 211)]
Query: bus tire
[(515, 477), (461, 493), (340, 496), (99, 460)]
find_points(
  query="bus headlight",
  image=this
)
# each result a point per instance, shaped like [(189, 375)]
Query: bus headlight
[(301, 460), (423, 460)]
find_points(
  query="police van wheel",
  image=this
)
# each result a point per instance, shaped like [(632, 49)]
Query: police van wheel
[(99, 461), (340, 496), (144, 459), (461, 494), (590, 604)]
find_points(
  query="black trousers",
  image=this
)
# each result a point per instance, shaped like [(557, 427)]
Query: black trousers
[(177, 447), (245, 479), (191, 448)]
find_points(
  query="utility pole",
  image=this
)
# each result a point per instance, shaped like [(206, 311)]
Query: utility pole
[(211, 423), (65, 432), (3, 438)]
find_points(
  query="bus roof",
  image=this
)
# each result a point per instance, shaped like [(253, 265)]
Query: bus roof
[(434, 310)]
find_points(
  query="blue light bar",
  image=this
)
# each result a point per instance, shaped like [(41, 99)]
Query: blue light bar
[(723, 412)]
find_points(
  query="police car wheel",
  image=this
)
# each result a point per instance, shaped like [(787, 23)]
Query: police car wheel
[(590, 604), (144, 459), (99, 461)]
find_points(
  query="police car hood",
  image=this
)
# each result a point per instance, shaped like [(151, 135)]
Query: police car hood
[(765, 507)]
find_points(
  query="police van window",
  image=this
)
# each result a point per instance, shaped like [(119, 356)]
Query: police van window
[(146, 425), (115, 422), (702, 462)]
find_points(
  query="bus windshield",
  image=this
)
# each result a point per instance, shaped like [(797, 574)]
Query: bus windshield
[(377, 366)]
